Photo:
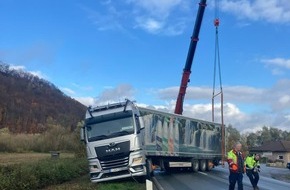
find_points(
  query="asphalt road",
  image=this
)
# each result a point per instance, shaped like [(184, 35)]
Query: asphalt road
[(217, 179)]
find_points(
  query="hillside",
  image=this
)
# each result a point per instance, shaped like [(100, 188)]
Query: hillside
[(28, 104)]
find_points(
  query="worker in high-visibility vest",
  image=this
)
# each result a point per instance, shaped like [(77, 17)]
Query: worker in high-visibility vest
[(253, 169), (236, 166)]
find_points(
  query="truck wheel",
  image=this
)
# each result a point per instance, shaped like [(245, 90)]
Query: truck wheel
[(209, 165), (195, 165), (202, 165), (149, 171)]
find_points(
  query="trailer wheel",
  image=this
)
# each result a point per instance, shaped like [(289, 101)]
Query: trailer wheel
[(149, 170), (202, 165), (194, 165)]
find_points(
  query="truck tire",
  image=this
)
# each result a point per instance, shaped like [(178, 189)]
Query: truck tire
[(195, 165), (202, 165), (149, 171), (209, 164)]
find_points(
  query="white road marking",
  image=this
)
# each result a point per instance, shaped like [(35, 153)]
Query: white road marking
[(203, 173)]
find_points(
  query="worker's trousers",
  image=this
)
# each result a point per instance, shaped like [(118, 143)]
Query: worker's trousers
[(236, 177), (254, 177)]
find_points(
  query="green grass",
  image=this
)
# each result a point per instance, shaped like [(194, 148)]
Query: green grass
[(41, 173), (84, 183)]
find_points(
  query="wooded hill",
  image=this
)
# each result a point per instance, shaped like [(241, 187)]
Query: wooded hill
[(28, 103)]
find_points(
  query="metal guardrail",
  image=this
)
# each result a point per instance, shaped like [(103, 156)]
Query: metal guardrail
[(153, 184), (156, 184)]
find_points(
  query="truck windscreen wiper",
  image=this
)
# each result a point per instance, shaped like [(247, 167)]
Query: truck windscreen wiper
[(120, 133), (100, 137)]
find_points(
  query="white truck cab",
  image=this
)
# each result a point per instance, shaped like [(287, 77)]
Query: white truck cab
[(113, 137)]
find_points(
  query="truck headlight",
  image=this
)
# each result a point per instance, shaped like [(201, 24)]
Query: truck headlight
[(137, 160)]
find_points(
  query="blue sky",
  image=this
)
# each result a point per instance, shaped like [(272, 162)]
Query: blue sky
[(98, 51)]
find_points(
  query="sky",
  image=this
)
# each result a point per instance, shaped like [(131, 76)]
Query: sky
[(101, 51)]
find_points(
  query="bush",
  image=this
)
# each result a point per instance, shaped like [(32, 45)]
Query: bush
[(41, 174)]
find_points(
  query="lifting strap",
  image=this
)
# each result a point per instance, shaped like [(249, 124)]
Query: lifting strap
[(220, 92)]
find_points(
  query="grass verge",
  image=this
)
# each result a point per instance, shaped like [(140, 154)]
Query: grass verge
[(84, 183), (41, 173)]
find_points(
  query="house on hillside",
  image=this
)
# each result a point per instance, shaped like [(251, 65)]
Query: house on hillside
[(277, 152)]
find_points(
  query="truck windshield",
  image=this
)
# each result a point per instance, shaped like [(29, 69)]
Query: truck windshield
[(110, 126)]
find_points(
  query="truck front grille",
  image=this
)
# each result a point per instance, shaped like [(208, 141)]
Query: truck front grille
[(115, 162)]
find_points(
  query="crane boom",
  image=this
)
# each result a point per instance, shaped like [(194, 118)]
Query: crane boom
[(189, 59)]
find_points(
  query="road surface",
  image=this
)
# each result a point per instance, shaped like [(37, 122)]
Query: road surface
[(217, 179)]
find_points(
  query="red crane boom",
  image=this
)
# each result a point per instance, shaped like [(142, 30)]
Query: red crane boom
[(187, 69)]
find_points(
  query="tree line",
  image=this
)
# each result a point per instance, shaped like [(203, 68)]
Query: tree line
[(28, 103), (255, 139)]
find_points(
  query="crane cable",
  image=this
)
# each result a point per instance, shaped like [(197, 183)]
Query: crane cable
[(217, 64)]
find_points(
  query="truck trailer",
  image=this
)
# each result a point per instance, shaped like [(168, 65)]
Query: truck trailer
[(125, 140)]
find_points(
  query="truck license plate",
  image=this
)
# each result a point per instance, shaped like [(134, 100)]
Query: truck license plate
[(117, 169)]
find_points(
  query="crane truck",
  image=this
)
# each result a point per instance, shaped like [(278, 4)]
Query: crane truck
[(125, 140)]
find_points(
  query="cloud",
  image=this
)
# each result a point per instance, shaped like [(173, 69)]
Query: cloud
[(87, 101), (160, 8), (277, 62), (17, 67), (116, 94), (232, 93), (109, 19), (272, 11), (39, 74), (273, 97), (245, 107), (149, 24), (154, 17), (275, 103), (68, 91)]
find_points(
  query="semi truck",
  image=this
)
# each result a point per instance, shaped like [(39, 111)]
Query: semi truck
[(125, 140)]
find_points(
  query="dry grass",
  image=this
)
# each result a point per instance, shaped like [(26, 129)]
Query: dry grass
[(55, 138), (17, 158)]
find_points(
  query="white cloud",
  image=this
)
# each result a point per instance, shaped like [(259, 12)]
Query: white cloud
[(87, 101), (68, 91), (284, 99), (278, 62), (159, 9), (17, 67), (117, 94), (273, 11), (149, 24), (275, 103), (39, 74), (155, 17), (232, 93), (272, 98), (245, 107)]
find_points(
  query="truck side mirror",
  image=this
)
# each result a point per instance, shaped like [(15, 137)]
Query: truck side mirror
[(82, 134)]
